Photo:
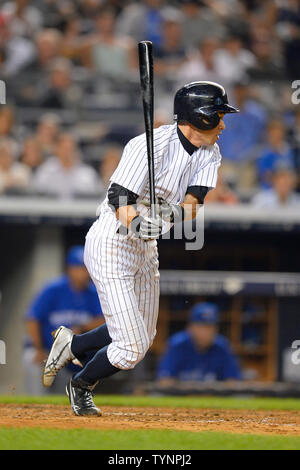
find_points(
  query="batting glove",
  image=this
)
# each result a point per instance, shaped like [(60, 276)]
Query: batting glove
[(146, 228), (170, 212)]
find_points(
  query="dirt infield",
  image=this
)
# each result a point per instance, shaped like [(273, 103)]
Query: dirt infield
[(183, 419)]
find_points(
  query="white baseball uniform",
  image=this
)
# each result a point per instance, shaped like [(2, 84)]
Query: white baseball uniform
[(125, 268)]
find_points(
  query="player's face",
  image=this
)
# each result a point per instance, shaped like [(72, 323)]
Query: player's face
[(212, 136), (203, 334)]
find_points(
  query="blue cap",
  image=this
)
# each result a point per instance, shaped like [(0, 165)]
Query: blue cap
[(204, 312), (75, 256)]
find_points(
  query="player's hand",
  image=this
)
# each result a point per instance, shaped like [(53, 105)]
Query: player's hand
[(146, 228), (170, 212)]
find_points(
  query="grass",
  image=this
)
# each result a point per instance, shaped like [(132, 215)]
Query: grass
[(171, 402), (50, 439)]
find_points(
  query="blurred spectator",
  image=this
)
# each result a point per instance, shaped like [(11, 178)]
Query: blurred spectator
[(47, 133), (32, 155), (14, 176), (2, 60), (48, 45), (221, 194), (162, 116), (216, 40), (233, 60), (275, 152), (55, 90), (294, 137), (243, 133), (88, 9), (288, 29), (111, 54), (200, 23), (24, 19), (199, 352), (282, 192), (7, 121), (59, 92), (70, 300), (142, 20), (268, 64), (64, 175), (170, 54), (72, 38), (201, 65), (109, 163), (17, 51)]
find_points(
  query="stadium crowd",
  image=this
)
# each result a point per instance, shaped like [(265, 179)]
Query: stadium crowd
[(73, 98)]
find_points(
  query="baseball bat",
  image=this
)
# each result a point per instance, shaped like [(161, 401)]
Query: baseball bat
[(146, 76)]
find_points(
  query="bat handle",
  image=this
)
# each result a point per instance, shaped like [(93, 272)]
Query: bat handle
[(153, 211)]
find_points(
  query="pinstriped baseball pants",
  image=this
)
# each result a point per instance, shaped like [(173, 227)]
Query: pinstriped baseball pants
[(125, 273)]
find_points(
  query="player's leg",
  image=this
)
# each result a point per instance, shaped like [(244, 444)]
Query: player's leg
[(91, 341), (130, 342), (127, 329), (147, 291)]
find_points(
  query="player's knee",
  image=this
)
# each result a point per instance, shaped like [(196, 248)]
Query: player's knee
[(152, 337), (135, 354)]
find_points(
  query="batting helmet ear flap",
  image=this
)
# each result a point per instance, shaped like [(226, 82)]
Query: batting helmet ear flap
[(206, 120)]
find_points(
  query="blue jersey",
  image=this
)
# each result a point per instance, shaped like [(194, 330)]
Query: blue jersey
[(184, 362), (60, 304)]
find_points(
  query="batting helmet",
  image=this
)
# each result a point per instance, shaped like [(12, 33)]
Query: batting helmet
[(198, 103)]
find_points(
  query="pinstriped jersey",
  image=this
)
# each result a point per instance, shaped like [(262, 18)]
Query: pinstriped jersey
[(174, 168)]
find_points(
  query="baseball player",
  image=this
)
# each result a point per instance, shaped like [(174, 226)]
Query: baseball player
[(124, 264)]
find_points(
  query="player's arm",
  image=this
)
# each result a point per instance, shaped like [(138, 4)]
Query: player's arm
[(194, 199), (126, 214), (123, 201), (34, 331), (38, 311)]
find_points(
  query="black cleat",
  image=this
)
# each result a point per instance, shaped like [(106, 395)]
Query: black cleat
[(81, 398)]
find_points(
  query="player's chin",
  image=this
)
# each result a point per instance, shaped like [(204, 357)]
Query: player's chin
[(214, 139)]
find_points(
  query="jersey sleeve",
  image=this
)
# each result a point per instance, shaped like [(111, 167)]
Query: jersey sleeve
[(207, 173), (132, 171)]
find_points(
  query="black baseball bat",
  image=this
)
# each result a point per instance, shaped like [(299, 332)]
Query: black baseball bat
[(146, 76)]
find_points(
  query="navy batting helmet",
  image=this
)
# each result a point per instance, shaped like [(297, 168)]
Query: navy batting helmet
[(198, 103)]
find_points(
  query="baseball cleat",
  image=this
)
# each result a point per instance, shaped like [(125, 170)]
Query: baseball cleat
[(81, 399), (60, 354)]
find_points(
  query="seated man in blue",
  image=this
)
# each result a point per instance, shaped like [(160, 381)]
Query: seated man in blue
[(199, 352), (70, 300)]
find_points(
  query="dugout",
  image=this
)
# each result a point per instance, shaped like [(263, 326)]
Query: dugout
[(249, 265)]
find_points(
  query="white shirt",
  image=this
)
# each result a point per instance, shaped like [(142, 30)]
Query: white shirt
[(53, 178), (269, 198)]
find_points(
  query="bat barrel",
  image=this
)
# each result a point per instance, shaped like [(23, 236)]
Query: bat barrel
[(146, 76)]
